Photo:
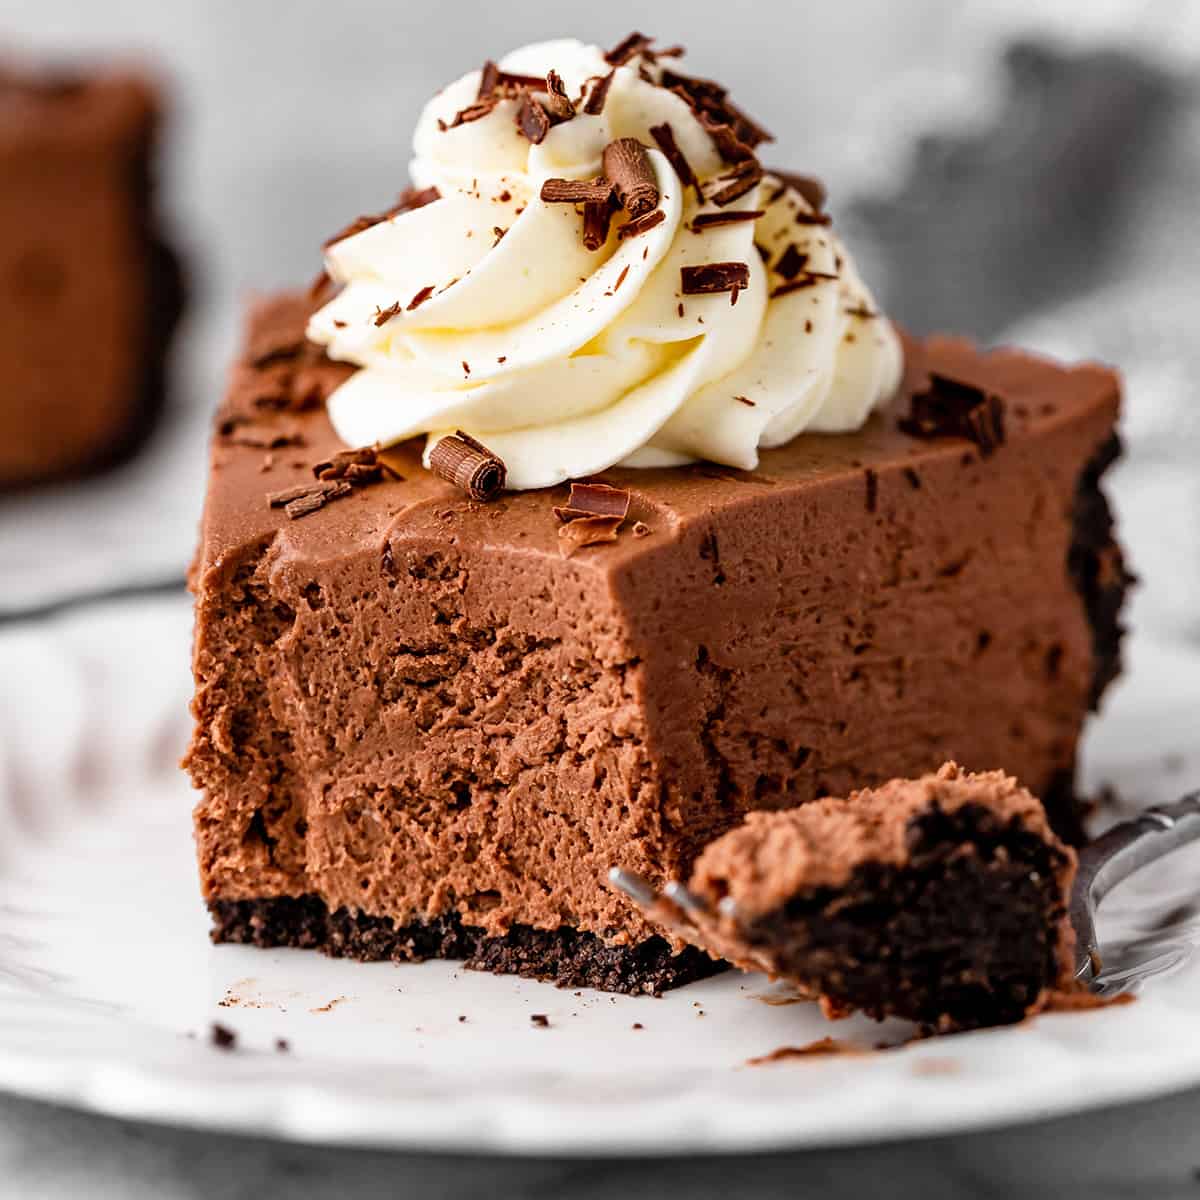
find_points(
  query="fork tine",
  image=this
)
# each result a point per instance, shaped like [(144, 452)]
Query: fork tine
[(633, 885), (678, 894)]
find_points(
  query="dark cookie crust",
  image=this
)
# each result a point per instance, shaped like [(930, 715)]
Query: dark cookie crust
[(962, 936), (564, 957)]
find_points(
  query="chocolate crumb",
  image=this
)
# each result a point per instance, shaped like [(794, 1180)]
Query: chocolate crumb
[(746, 401), (823, 1047), (384, 315), (594, 500), (576, 191), (282, 1046), (708, 278), (468, 464), (540, 1020), (708, 220), (597, 93), (914, 480), (954, 408), (860, 310), (637, 1025), (462, 1020), (621, 277), (627, 164), (222, 1037), (641, 224)]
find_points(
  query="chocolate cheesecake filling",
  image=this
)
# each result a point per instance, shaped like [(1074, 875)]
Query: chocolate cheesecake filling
[(419, 721), (964, 935)]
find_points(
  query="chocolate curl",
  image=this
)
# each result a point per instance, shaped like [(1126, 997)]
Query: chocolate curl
[(459, 459), (576, 191), (627, 164)]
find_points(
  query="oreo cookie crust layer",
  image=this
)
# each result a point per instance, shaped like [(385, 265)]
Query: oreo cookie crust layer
[(89, 293), (942, 900), (414, 706)]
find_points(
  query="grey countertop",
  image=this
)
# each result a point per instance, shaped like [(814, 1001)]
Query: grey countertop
[(1150, 1151)]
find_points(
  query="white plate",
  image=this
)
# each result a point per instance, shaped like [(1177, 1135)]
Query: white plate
[(108, 986)]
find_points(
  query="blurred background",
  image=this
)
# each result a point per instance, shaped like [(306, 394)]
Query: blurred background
[(1015, 172)]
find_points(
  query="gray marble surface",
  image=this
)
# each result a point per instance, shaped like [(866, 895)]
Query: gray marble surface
[(1149, 1151)]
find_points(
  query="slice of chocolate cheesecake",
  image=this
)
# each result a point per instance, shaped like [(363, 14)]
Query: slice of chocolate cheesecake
[(428, 725), (942, 900), (89, 293)]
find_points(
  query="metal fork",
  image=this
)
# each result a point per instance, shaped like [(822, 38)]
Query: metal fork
[(1103, 863)]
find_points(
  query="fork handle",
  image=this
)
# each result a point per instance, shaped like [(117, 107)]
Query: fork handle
[(1122, 850)]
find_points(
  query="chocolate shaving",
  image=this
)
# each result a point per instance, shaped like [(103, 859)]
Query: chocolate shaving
[(803, 218), (807, 280), (641, 224), (407, 201), (791, 262), (473, 112), (576, 191), (468, 464), (557, 101), (235, 435), (420, 297), (360, 466), (306, 498), (664, 137), (628, 165), (624, 50), (954, 408), (694, 88), (748, 129), (493, 80), (384, 315), (540, 1020), (597, 93), (708, 220), (532, 119), (746, 401), (860, 310), (729, 145), (812, 189), (594, 500), (736, 182), (597, 217), (708, 278), (587, 531)]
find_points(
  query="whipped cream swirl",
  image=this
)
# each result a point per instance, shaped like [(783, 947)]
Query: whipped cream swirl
[(484, 311)]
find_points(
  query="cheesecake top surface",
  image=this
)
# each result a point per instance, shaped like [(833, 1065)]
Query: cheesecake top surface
[(273, 429)]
